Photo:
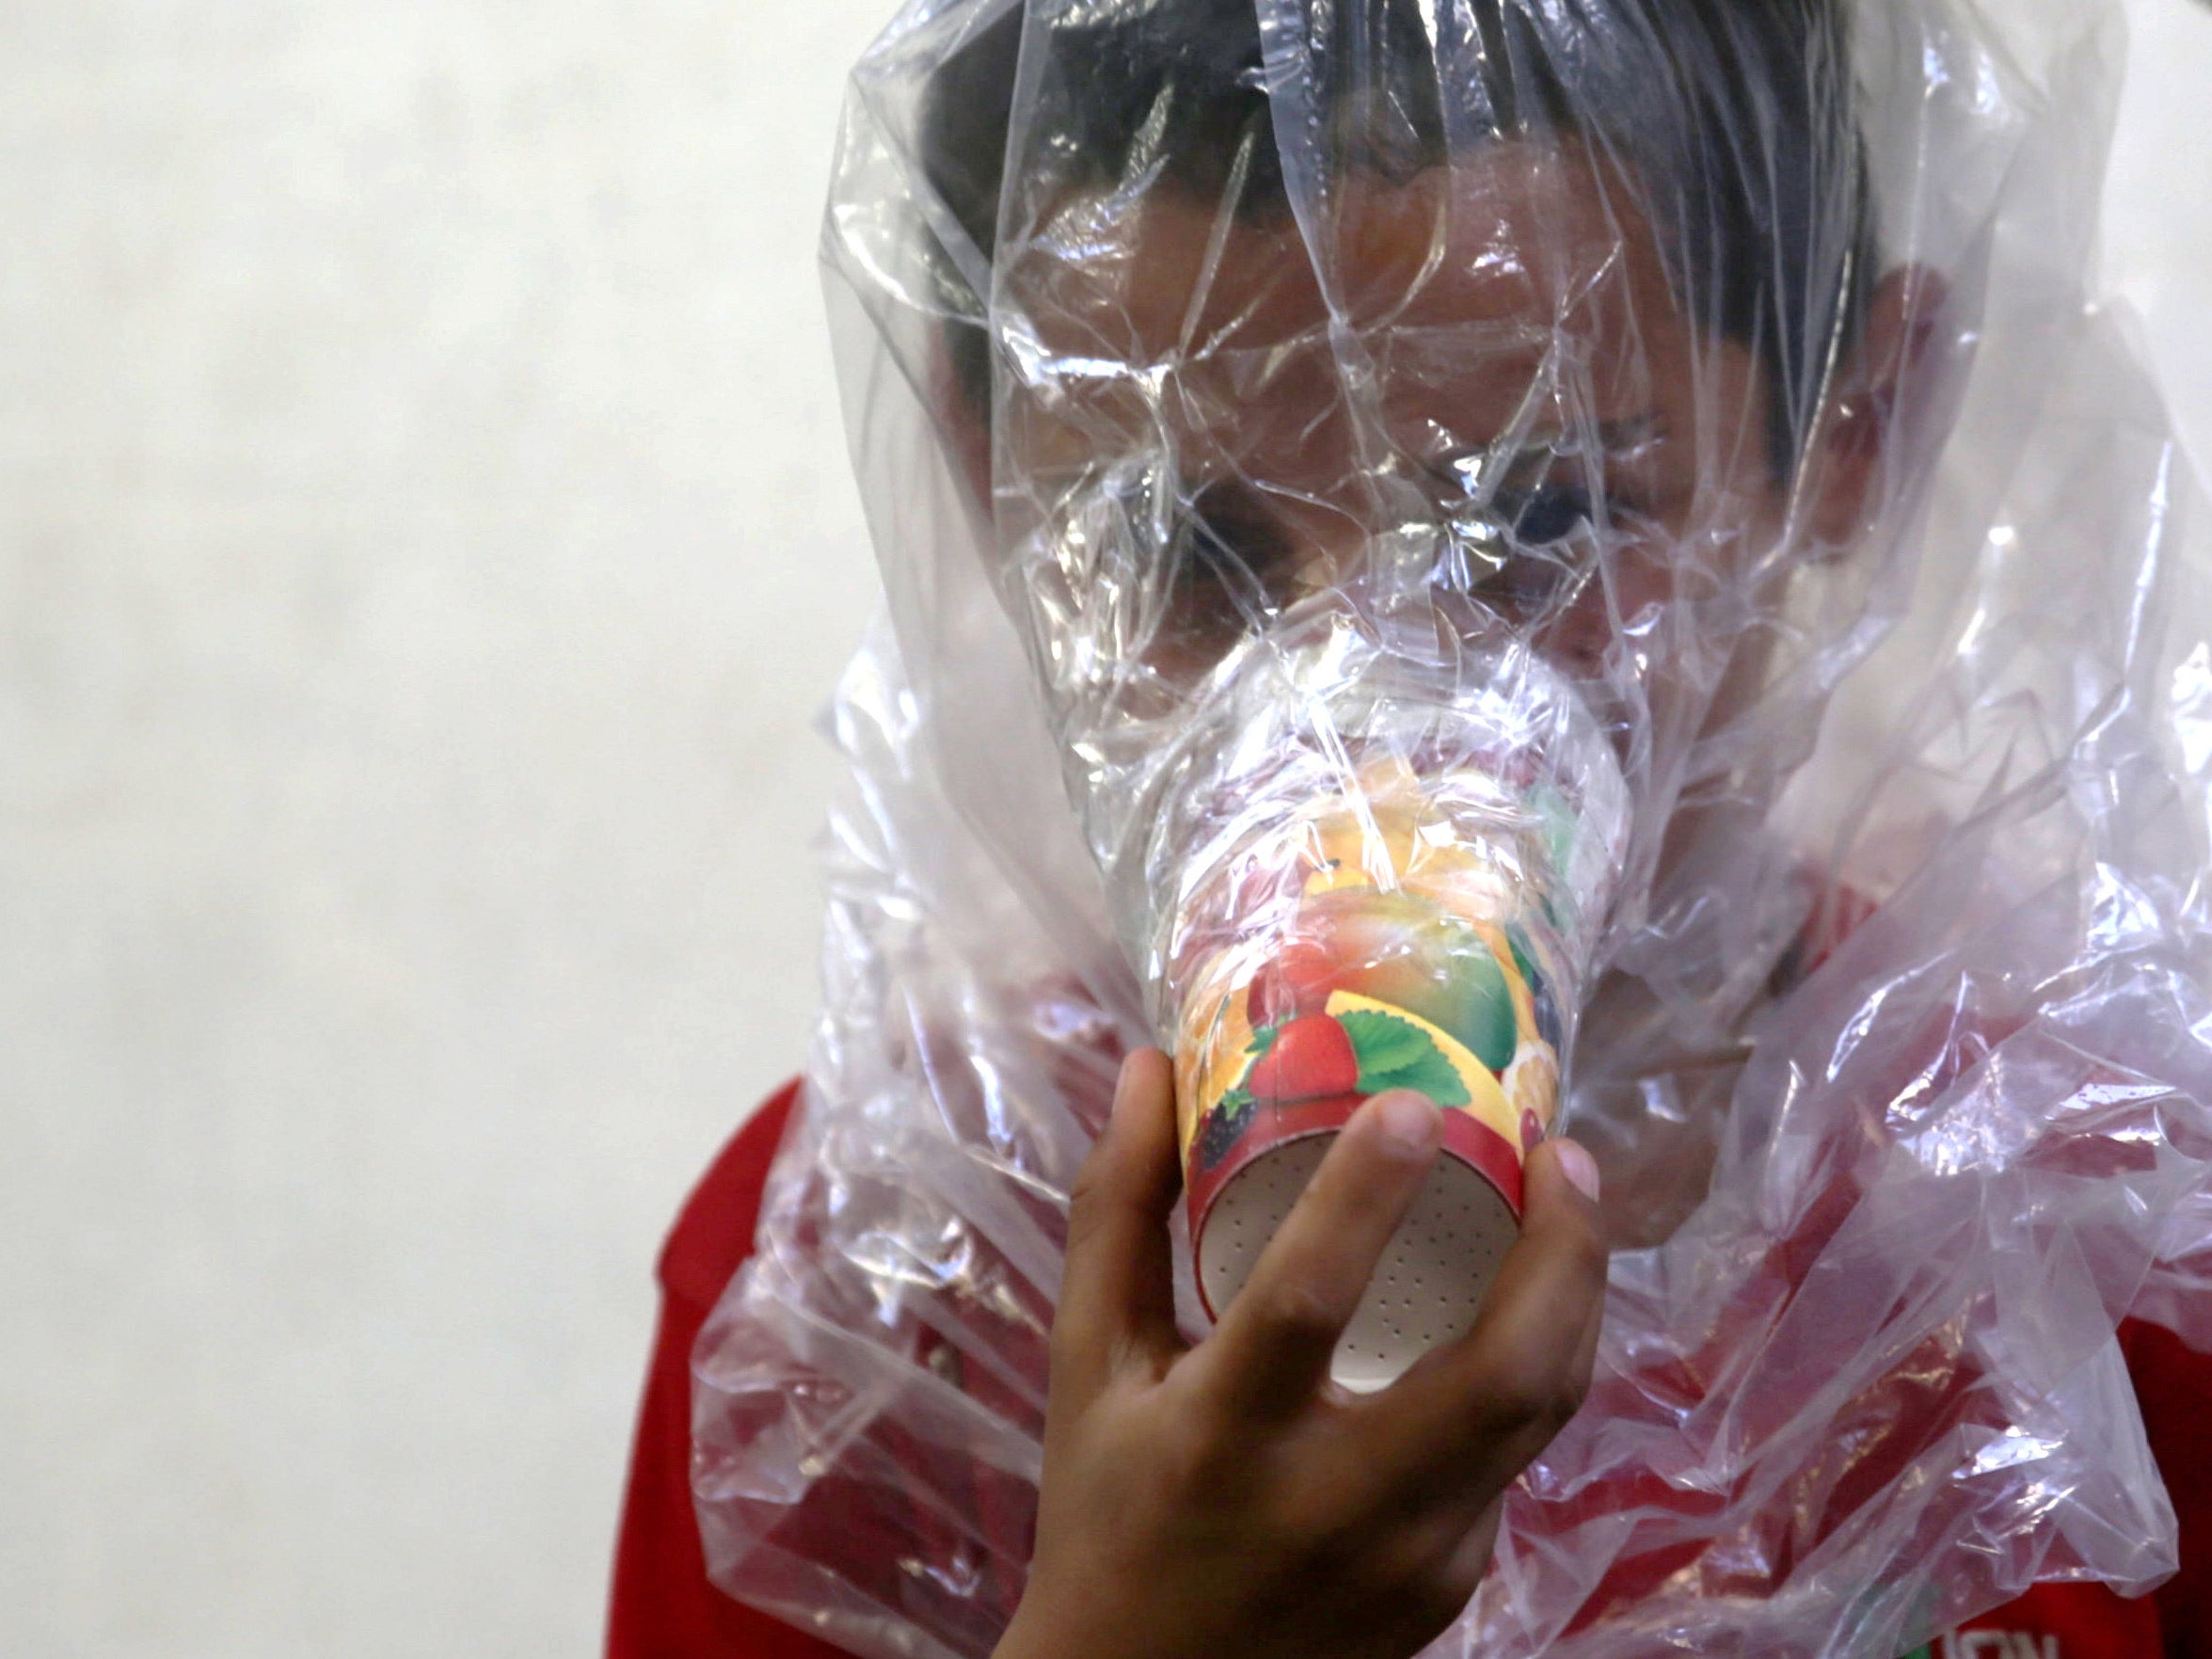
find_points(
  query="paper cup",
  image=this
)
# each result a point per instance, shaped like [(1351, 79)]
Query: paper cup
[(1370, 942)]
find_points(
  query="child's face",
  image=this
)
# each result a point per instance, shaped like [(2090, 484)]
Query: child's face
[(1521, 374)]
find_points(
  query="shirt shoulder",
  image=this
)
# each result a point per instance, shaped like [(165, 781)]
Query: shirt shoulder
[(664, 1605), (713, 1231)]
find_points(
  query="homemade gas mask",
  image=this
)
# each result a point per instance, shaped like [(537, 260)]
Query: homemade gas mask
[(1382, 564), (1454, 546)]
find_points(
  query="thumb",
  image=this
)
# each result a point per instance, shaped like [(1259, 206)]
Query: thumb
[(1118, 1294)]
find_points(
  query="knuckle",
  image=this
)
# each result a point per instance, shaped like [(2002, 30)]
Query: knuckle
[(1526, 1392), (1581, 1257), (1204, 1459), (1091, 1200), (1297, 1313), (1409, 1565), (1567, 1398), (1592, 1260), (1090, 1184), (1367, 1569), (1515, 1393), (1065, 1346)]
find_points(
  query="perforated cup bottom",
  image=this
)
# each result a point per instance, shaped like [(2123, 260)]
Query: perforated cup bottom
[(1433, 1277)]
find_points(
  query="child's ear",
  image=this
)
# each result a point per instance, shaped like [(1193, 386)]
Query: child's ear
[(1845, 462), (963, 428)]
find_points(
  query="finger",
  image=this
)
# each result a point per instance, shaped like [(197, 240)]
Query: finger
[(1475, 1413), (1118, 1293), (1582, 1370), (1272, 1348)]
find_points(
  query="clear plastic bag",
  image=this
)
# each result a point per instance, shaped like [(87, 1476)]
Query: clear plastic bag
[(1726, 376)]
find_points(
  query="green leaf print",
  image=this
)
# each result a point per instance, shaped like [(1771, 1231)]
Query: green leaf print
[(1384, 1041), (1395, 1053)]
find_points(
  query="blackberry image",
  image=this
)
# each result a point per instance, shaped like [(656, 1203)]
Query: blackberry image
[(1549, 1025), (1225, 1126)]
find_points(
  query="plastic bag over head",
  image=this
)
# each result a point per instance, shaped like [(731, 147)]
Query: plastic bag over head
[(1590, 557)]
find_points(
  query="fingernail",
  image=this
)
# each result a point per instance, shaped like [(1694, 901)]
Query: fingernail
[(1579, 1167), (1410, 1122)]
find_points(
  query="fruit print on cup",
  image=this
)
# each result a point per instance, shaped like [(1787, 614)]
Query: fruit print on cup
[(1380, 949), (1316, 1033)]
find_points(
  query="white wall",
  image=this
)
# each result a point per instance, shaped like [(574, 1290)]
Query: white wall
[(423, 539)]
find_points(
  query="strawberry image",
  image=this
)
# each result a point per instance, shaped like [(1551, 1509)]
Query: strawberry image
[(1311, 1059)]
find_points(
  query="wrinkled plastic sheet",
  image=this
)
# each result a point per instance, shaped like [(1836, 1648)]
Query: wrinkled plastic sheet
[(1893, 1036)]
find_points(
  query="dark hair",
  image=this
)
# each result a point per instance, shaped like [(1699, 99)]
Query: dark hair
[(1737, 115)]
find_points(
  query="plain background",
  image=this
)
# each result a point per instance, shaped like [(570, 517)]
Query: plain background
[(424, 539)]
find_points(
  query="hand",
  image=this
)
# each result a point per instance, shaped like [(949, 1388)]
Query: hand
[(1228, 1500)]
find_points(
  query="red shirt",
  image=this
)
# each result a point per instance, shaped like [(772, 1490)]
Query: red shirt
[(663, 1606)]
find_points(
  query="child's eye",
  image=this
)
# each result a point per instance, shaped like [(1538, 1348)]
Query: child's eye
[(1232, 568), (1526, 584), (1533, 510), (1547, 514), (1542, 559)]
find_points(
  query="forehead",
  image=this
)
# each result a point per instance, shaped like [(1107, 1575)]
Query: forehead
[(1463, 287)]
